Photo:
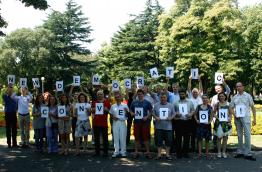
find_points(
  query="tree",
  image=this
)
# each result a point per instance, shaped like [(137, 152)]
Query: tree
[(37, 4), (253, 46), (26, 53), (71, 32), (133, 50)]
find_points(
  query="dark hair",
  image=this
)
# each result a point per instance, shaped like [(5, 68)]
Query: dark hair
[(222, 93), (163, 94), (140, 91), (204, 95), (67, 99), (182, 90), (49, 104), (36, 102), (81, 94)]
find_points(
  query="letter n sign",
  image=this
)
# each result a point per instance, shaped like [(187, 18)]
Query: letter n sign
[(139, 113), (223, 115)]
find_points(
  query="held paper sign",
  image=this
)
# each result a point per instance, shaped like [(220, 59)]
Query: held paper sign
[(194, 73), (183, 109), (121, 114), (11, 79), (140, 82), (23, 82), (163, 113), (115, 85), (99, 108), (170, 72), (61, 111), (219, 78), (44, 111), (203, 116), (36, 82), (240, 110), (223, 115), (59, 85), (76, 80), (81, 111), (128, 83), (139, 113), (154, 73), (96, 79)]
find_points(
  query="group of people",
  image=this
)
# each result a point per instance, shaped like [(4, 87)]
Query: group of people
[(177, 118)]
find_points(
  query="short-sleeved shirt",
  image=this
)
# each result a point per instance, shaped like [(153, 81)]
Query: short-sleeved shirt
[(38, 121), (163, 124), (23, 103), (190, 107), (119, 111), (173, 97), (243, 99), (196, 101), (10, 103), (101, 120), (146, 105), (87, 107)]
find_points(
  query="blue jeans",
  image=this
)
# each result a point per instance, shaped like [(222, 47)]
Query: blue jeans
[(52, 138), (38, 136)]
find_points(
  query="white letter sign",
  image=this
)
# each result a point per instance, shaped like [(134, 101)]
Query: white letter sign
[(203, 116), (154, 73), (240, 110), (61, 111), (44, 111), (76, 80), (223, 115), (59, 85), (170, 72), (218, 78), (23, 82), (11, 79), (96, 79), (163, 113), (139, 113), (36, 82), (194, 73), (128, 83), (115, 85), (99, 108), (140, 82), (183, 109), (81, 111)]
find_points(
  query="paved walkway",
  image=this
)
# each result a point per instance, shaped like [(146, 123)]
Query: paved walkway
[(27, 160)]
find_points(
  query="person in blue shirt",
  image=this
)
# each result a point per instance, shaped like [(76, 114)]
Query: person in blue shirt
[(10, 105)]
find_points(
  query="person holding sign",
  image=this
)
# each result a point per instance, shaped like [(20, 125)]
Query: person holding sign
[(52, 125), (100, 109), (163, 112), (141, 110), (23, 115), (64, 123), (82, 111), (10, 107), (203, 116), (222, 126), (184, 111), (118, 113), (38, 122), (195, 96), (241, 103)]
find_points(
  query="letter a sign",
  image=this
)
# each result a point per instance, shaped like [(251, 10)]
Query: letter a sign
[(154, 73)]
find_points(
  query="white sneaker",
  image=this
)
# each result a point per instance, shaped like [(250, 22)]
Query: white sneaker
[(114, 155), (224, 155), (219, 155)]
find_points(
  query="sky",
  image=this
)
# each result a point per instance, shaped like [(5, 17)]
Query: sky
[(105, 16)]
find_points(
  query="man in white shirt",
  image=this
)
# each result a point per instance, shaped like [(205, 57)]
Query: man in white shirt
[(242, 102)]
